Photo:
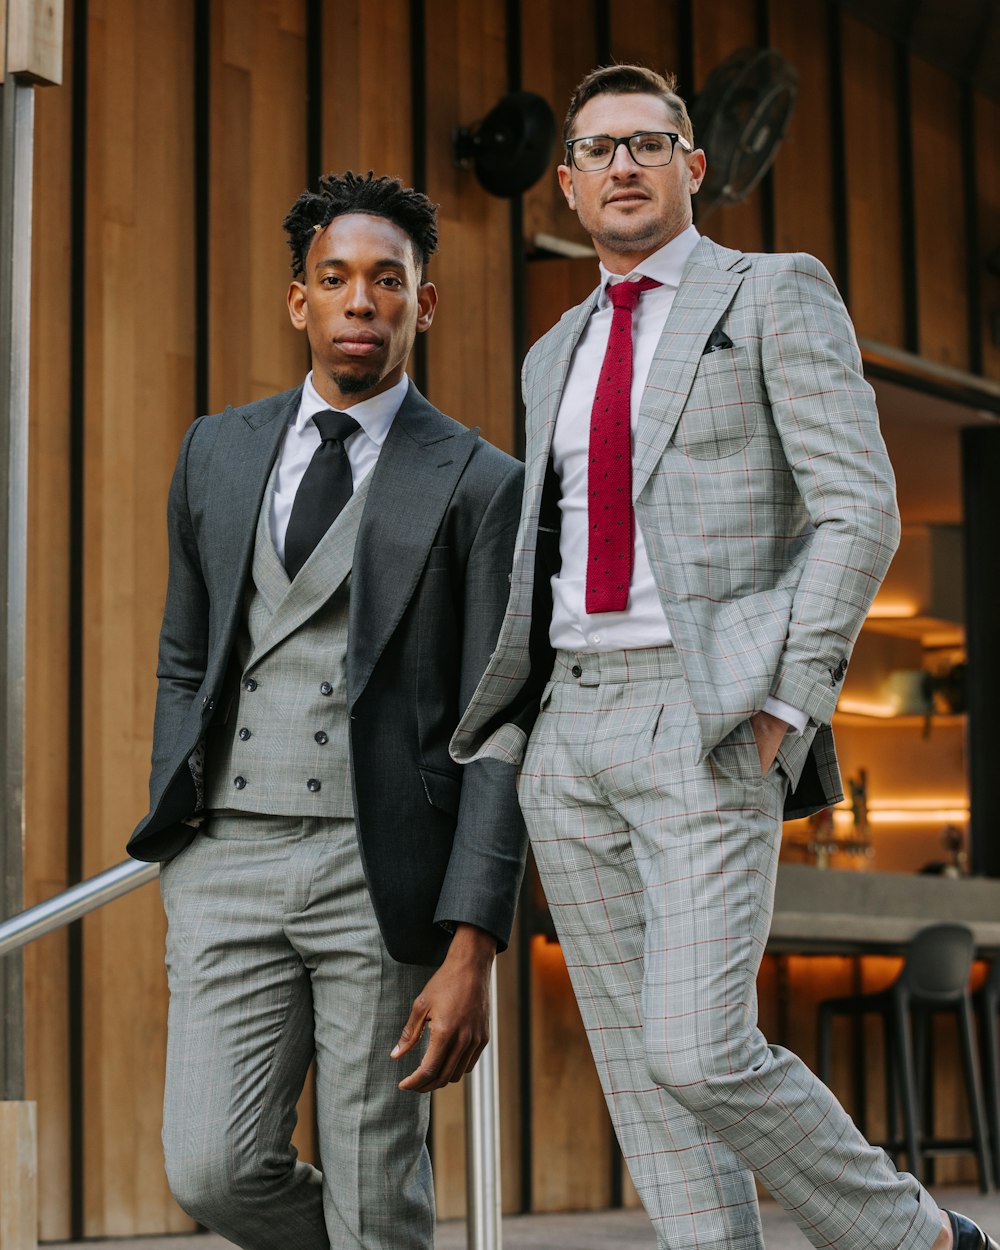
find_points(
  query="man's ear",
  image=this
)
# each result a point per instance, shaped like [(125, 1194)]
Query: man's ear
[(696, 168), (297, 304), (427, 298), (566, 185)]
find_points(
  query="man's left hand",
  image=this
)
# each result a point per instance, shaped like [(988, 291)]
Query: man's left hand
[(455, 1003), (769, 731)]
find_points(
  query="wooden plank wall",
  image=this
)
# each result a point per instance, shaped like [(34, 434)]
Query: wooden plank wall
[(138, 388), (47, 655), (194, 125)]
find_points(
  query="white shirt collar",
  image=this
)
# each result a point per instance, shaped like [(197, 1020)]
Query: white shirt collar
[(374, 415), (666, 264)]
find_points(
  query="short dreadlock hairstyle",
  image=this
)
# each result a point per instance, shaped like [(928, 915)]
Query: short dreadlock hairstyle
[(384, 197)]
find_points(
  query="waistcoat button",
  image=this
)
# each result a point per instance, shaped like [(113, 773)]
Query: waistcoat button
[(321, 737), (326, 688), (249, 684), (244, 734), (314, 785), (239, 782)]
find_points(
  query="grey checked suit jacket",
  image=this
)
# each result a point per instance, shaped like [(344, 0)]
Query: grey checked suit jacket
[(765, 496), (440, 843)]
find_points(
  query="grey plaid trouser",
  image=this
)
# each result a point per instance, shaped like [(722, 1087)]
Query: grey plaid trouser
[(659, 870), (274, 952)]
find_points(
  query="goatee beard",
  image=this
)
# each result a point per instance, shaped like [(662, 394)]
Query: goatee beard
[(354, 384)]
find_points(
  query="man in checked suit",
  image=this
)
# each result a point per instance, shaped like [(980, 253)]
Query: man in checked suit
[(334, 883), (708, 578)]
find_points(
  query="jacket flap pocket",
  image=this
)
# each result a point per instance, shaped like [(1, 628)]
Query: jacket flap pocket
[(443, 790)]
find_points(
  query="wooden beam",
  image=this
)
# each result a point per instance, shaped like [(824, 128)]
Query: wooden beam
[(35, 40), (18, 1176)]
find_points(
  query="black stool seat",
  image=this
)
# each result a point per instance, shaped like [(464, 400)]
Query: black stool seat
[(934, 978)]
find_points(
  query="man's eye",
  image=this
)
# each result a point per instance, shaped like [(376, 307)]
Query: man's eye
[(594, 149), (650, 143), (391, 280)]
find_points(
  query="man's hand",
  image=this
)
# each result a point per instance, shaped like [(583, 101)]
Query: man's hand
[(455, 1003), (769, 732)]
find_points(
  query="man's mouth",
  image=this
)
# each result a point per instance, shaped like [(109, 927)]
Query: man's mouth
[(359, 342), (627, 197)]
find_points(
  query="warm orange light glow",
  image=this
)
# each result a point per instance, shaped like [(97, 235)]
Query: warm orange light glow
[(868, 707), (935, 810), (892, 609)]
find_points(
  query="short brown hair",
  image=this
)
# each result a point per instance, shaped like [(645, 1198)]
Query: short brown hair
[(629, 80)]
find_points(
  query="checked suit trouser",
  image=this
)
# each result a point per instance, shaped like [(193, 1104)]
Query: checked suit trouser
[(659, 869)]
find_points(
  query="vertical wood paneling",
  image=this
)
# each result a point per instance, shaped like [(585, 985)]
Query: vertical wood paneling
[(570, 1127), (47, 656), (644, 32), (803, 170), (719, 30), (551, 287), (942, 305), (558, 41), (871, 128), (258, 167), (987, 123), (366, 87), (138, 398), (470, 361)]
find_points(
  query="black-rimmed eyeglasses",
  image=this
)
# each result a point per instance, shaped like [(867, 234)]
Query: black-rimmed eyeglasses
[(646, 147)]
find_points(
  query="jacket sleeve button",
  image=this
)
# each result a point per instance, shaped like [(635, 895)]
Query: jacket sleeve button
[(326, 688), (244, 734), (239, 782), (321, 737)]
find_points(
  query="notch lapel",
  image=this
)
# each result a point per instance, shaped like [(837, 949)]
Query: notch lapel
[(422, 459), (711, 278)]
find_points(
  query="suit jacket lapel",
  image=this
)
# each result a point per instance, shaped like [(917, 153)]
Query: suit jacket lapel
[(708, 286), (418, 469)]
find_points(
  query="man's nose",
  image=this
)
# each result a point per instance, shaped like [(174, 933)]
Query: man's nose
[(359, 300), (622, 164)]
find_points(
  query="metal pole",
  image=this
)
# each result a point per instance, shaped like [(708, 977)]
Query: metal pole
[(73, 903), (482, 1143), (17, 115)]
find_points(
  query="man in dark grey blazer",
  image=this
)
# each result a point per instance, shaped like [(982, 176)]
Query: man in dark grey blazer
[(334, 884)]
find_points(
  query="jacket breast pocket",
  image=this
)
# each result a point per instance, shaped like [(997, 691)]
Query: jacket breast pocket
[(723, 407)]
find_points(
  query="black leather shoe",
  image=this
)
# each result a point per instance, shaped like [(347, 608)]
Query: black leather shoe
[(967, 1235)]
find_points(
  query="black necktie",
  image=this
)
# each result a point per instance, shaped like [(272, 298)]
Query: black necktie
[(325, 487)]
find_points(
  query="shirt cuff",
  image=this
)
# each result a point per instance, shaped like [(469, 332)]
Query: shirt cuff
[(784, 711)]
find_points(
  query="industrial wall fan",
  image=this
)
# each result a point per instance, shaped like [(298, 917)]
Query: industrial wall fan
[(740, 119)]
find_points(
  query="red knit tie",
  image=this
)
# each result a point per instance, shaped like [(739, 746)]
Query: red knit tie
[(609, 479)]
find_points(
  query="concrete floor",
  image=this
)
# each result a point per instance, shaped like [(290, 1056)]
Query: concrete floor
[(591, 1230)]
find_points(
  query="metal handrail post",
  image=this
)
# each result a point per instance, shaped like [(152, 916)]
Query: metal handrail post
[(482, 1142), (17, 114), (73, 903)]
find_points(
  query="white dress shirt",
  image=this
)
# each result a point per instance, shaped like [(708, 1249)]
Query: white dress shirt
[(642, 623), (374, 415)]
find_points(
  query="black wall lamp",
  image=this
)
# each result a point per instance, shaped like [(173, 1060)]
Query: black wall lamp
[(511, 147)]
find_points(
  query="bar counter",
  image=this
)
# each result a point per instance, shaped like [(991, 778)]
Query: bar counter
[(834, 912)]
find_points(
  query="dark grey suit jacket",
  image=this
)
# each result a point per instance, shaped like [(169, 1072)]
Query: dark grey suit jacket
[(441, 843)]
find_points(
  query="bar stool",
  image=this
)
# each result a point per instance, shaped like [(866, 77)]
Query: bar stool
[(934, 978), (987, 1003)]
